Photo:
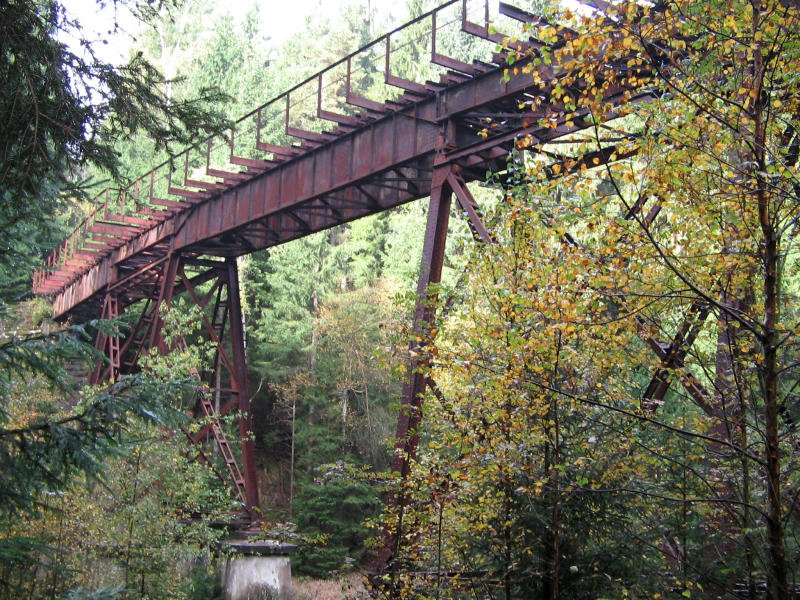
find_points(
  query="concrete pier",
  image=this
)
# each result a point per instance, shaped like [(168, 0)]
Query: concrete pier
[(260, 570)]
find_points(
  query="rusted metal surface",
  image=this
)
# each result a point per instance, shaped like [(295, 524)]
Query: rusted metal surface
[(275, 177), (246, 190), (673, 355), (108, 344), (410, 417), (238, 376), (222, 387)]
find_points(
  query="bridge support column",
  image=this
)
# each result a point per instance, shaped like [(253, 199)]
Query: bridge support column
[(213, 287), (239, 380), (407, 435), (224, 382), (107, 370), (446, 182)]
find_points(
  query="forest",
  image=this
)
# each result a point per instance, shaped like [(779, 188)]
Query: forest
[(610, 406)]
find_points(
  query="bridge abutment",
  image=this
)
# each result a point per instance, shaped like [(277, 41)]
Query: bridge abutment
[(260, 570)]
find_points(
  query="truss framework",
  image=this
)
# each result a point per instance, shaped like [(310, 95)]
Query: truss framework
[(252, 189), (221, 392)]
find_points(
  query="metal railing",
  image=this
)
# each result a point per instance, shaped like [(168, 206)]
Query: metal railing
[(261, 139)]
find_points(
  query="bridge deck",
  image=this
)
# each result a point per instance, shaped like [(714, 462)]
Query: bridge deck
[(238, 193)]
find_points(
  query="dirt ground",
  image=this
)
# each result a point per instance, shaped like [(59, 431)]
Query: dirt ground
[(348, 587)]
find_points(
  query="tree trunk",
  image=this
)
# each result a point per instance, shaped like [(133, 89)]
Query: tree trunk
[(778, 586)]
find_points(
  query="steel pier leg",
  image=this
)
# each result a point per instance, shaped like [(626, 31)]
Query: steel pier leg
[(239, 381), (407, 436), (107, 344)]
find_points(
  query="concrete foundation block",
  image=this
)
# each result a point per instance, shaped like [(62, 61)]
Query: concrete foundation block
[(261, 570), (257, 578)]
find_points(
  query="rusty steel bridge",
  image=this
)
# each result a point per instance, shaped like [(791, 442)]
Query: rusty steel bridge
[(313, 158)]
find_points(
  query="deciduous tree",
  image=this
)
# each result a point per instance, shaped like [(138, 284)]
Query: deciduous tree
[(652, 246)]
